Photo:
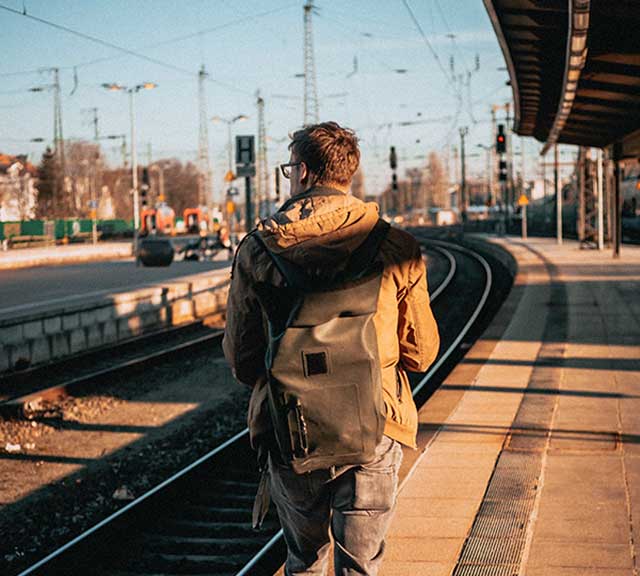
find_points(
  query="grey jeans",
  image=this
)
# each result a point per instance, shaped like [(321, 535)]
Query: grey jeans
[(355, 503)]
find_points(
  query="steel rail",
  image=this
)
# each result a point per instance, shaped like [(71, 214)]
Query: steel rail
[(450, 275), (134, 503), (59, 389), (236, 438), (489, 280)]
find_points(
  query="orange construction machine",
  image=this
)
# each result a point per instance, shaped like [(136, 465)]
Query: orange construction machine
[(159, 220)]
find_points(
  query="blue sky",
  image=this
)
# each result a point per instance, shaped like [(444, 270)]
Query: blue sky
[(248, 45)]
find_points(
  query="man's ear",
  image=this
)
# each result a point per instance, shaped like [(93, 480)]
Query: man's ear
[(304, 173)]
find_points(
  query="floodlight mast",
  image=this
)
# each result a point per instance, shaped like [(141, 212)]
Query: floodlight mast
[(115, 87)]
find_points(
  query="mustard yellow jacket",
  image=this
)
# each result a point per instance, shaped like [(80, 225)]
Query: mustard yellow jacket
[(321, 228)]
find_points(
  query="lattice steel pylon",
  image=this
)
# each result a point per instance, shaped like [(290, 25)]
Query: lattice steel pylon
[(205, 196), (62, 201), (263, 193), (311, 112)]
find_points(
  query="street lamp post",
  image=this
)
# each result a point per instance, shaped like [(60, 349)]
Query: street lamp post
[(229, 122), (114, 87), (463, 184)]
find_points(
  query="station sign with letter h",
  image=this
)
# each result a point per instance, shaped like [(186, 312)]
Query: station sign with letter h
[(245, 156)]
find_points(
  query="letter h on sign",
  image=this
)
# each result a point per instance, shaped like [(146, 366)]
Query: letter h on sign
[(245, 150)]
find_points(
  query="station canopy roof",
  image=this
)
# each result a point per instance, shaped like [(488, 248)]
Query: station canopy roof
[(574, 67)]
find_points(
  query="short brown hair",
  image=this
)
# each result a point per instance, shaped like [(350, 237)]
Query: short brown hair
[(329, 151)]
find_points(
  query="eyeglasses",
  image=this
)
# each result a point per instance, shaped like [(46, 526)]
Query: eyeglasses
[(286, 168)]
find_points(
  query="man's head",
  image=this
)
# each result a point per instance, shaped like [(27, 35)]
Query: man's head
[(323, 155)]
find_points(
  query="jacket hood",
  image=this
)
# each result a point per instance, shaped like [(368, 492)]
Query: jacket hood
[(319, 229)]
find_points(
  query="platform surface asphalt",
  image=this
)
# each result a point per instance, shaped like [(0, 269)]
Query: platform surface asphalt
[(529, 457), (34, 290), (72, 253)]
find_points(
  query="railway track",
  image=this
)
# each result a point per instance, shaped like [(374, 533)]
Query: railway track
[(199, 520), (21, 392)]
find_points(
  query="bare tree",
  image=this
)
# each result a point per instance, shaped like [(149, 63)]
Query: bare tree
[(118, 186), (47, 175), (180, 184), (83, 161), (437, 182)]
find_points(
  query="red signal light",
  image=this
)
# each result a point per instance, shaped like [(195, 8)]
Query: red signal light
[(501, 140)]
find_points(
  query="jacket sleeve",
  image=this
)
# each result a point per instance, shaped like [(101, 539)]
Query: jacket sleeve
[(417, 329), (244, 342)]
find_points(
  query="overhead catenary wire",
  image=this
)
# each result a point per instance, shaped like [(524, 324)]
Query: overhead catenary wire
[(122, 49), (452, 36), (430, 47), (191, 35)]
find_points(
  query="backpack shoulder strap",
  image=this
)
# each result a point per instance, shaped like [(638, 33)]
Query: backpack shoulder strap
[(358, 266), (293, 275), (363, 257)]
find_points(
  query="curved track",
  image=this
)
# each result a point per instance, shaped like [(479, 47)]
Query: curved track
[(201, 515)]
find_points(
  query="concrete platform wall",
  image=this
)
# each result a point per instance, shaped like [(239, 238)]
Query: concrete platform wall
[(42, 337)]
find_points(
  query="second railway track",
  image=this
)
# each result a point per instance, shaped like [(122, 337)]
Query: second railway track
[(199, 521)]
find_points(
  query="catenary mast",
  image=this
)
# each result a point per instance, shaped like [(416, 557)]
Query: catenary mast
[(204, 167), (262, 181), (310, 86)]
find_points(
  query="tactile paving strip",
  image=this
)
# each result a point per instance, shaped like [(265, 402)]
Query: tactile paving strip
[(470, 570), (497, 539), (498, 535), (496, 542)]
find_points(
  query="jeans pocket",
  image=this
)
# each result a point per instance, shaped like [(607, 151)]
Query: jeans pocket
[(301, 490), (375, 490)]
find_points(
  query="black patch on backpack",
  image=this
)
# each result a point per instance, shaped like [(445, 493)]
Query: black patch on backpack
[(315, 363)]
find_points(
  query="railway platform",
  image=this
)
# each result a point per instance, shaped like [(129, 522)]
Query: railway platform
[(529, 453), (70, 254)]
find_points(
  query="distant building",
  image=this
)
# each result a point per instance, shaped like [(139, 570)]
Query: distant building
[(18, 193)]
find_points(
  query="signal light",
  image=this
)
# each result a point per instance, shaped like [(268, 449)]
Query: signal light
[(393, 159), (394, 181), (144, 187), (501, 140), (502, 174)]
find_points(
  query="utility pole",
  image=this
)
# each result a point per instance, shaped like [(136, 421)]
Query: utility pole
[(205, 194), (617, 199), (558, 192), (523, 166), (311, 113), (96, 179), (263, 192), (463, 184), (543, 167), (455, 173), (599, 182), (494, 179), (510, 187)]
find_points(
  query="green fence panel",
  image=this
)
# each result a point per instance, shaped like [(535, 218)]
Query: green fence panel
[(117, 225), (86, 225), (32, 228)]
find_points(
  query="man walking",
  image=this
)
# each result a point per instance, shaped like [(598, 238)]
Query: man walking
[(320, 239)]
